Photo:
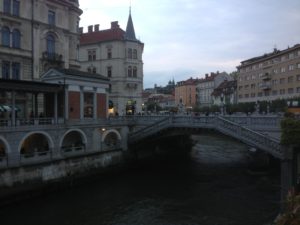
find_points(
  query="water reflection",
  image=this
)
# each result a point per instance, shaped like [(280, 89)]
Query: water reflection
[(208, 188)]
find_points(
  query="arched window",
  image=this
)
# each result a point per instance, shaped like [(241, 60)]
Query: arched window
[(129, 71), (6, 6), (134, 72), (5, 36), (134, 54), (50, 44), (16, 39)]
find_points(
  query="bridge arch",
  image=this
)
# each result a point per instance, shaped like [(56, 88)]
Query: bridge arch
[(111, 137), (73, 138), (4, 147), (37, 141)]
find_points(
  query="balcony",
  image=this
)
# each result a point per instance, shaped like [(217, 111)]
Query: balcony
[(266, 76), (265, 86), (52, 57)]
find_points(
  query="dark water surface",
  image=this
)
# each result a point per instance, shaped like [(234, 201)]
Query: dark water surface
[(209, 188)]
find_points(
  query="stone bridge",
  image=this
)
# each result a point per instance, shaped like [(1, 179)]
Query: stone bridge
[(241, 128)]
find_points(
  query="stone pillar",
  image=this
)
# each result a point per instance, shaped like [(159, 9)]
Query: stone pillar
[(81, 103), (13, 111), (286, 173), (95, 104), (66, 103), (286, 179), (55, 108)]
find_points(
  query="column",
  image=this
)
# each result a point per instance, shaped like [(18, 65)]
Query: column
[(95, 107), (13, 111), (55, 108), (81, 103), (66, 103)]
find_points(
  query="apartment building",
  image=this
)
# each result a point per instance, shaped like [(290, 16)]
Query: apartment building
[(207, 85), (117, 54), (185, 94), (271, 76)]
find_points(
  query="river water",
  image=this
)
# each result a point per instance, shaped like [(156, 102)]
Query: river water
[(210, 187)]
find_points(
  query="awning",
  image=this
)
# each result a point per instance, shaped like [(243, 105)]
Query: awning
[(7, 108)]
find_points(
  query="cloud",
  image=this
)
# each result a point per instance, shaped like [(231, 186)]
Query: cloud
[(185, 37)]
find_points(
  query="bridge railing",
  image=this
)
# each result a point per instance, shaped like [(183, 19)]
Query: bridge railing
[(151, 129), (249, 136)]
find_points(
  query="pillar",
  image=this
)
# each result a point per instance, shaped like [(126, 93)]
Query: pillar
[(81, 103), (55, 108), (95, 104), (13, 111), (66, 103), (286, 178)]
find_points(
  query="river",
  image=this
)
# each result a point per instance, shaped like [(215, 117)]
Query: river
[(210, 187)]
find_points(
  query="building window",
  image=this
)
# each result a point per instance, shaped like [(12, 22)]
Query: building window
[(109, 53), (5, 69), (282, 69), (129, 72), (109, 71), (92, 55), (298, 89), (291, 90), (94, 70), (252, 86), (259, 94), (298, 77), (252, 95), (5, 36), (134, 72), (6, 6), (51, 17), (282, 91), (89, 70), (16, 8), (129, 52), (50, 44), (16, 39), (290, 79), (274, 92), (253, 77), (275, 71), (298, 65), (282, 80), (134, 55), (291, 67), (274, 82), (16, 71)]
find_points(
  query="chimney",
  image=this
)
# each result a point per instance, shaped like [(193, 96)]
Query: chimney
[(96, 27), (115, 25), (90, 28), (80, 30)]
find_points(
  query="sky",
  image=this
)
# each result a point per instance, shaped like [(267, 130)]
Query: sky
[(190, 38)]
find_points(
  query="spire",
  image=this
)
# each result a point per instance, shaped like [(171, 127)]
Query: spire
[(130, 34)]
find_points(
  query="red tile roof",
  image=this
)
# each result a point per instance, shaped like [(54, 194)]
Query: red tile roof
[(101, 36)]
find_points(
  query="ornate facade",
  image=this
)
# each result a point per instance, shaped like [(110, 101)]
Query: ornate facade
[(116, 54)]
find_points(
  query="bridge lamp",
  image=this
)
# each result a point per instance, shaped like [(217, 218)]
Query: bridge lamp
[(103, 129)]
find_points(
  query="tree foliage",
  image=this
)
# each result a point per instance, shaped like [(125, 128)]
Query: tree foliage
[(290, 132), (291, 216)]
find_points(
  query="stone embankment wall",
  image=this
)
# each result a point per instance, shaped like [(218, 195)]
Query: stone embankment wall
[(17, 180)]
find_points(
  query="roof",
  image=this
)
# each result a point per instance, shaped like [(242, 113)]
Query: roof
[(225, 87), (130, 34), (116, 34), (275, 53), (82, 74), (29, 86)]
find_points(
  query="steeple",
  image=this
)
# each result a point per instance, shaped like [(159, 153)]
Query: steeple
[(130, 34)]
